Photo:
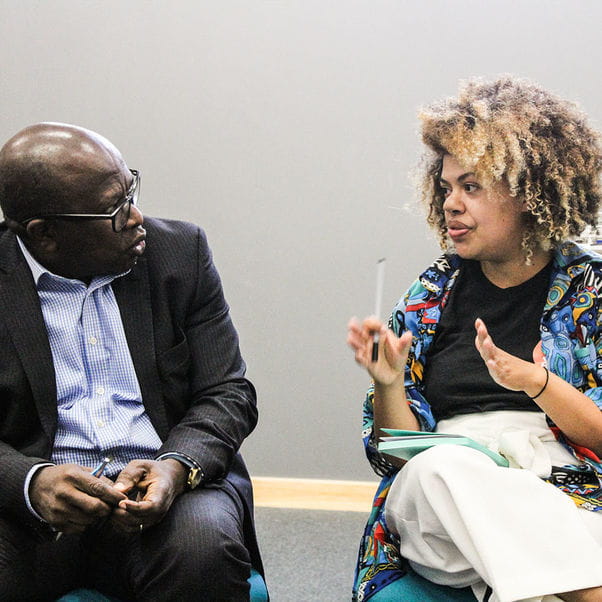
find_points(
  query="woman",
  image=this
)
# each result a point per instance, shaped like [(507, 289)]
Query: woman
[(498, 340)]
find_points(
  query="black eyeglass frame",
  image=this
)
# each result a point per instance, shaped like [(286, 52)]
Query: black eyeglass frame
[(131, 198)]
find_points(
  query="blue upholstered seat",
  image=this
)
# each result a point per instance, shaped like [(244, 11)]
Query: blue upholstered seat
[(413, 587), (259, 592)]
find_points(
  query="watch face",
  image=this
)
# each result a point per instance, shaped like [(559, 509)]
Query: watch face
[(194, 478)]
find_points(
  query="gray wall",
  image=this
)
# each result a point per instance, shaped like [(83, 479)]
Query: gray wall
[(287, 130)]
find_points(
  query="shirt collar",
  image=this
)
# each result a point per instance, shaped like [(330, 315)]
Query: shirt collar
[(38, 270)]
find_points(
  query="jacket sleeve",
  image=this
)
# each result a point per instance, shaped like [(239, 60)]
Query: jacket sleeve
[(221, 408)]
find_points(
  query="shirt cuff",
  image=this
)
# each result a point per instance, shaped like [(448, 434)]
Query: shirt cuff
[(28, 479)]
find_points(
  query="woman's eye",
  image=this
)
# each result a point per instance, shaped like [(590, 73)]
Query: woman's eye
[(471, 187), (446, 191)]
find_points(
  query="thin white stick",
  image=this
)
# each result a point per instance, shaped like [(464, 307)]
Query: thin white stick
[(380, 283)]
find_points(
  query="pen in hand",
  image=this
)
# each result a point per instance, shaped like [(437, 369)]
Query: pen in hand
[(380, 281), (97, 472)]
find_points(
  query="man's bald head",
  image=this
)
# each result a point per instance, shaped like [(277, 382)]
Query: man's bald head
[(52, 168)]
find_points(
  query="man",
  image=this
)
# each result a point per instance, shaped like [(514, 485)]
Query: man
[(116, 343)]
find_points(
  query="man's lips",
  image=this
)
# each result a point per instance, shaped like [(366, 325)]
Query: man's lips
[(139, 245)]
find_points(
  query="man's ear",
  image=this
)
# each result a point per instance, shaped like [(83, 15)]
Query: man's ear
[(42, 233), (15, 227)]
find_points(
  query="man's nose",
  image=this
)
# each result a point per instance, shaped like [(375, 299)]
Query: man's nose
[(136, 218)]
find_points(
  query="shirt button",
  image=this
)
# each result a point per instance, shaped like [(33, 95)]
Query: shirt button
[(100, 423), (93, 340), (100, 390)]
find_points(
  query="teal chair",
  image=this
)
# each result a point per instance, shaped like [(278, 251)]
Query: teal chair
[(413, 587), (259, 592)]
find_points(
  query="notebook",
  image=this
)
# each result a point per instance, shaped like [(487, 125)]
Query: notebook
[(406, 444)]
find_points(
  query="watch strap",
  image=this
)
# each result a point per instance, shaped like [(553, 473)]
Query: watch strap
[(195, 472)]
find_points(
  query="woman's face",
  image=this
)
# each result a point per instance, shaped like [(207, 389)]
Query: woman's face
[(485, 224)]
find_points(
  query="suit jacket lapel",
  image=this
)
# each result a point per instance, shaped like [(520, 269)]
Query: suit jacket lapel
[(22, 315), (134, 299)]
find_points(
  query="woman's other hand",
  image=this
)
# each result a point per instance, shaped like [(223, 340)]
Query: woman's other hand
[(575, 414), (393, 350), (507, 370)]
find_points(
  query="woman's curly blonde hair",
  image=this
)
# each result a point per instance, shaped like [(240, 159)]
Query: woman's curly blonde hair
[(514, 131)]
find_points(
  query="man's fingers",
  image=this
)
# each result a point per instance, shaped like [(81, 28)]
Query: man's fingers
[(75, 521), (160, 486), (131, 475), (101, 489), (130, 514), (75, 512), (68, 493)]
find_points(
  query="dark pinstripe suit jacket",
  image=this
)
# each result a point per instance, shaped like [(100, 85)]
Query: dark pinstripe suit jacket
[(183, 345)]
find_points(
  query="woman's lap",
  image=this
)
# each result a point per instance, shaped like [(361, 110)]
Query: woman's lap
[(464, 519)]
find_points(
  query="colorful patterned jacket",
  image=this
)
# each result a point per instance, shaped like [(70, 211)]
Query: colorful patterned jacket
[(571, 329)]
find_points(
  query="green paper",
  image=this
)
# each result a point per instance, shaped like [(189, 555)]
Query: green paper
[(407, 444)]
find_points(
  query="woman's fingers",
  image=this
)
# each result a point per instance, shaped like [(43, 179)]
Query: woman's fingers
[(392, 350), (506, 370), (483, 341), (361, 336)]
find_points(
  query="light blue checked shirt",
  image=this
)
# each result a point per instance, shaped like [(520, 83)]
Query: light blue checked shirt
[(100, 409)]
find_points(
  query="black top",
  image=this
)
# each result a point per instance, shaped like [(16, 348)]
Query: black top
[(456, 378)]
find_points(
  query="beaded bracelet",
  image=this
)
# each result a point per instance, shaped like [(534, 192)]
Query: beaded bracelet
[(544, 385)]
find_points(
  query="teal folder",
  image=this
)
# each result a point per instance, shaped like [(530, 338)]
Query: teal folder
[(406, 444)]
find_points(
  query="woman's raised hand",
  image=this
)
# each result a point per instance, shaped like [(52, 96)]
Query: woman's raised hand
[(393, 350), (506, 370)]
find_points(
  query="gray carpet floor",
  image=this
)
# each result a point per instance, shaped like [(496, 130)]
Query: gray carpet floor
[(309, 555)]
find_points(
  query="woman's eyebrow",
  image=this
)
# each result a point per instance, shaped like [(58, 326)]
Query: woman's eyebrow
[(464, 176)]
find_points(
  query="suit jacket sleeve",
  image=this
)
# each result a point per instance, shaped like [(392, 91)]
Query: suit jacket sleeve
[(204, 367)]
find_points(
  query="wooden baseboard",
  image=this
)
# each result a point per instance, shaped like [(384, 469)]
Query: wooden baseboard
[(313, 494)]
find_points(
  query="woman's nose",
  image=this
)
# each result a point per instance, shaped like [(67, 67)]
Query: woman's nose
[(453, 202)]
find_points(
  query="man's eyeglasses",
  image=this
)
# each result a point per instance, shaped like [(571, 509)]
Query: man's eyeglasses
[(119, 216)]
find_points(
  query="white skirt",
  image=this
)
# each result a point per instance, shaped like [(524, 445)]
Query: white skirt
[(464, 521)]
